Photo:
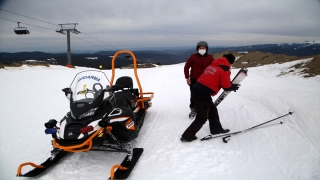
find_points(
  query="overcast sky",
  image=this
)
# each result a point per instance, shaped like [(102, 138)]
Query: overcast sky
[(125, 24)]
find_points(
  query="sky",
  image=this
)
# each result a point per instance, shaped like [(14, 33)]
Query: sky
[(130, 24)]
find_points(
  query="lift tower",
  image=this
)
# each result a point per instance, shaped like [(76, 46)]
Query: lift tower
[(69, 27)]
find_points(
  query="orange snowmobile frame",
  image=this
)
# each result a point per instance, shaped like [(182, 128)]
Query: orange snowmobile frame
[(141, 99), (86, 145)]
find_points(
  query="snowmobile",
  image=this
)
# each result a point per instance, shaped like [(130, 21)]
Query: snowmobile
[(103, 116)]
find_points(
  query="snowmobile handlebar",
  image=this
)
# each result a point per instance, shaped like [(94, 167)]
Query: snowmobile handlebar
[(115, 88), (67, 91)]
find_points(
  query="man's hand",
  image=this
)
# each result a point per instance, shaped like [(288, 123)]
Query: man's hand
[(188, 81), (234, 87)]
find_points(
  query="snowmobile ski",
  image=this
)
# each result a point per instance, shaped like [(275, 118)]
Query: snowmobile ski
[(226, 137), (127, 165), (242, 73), (50, 162)]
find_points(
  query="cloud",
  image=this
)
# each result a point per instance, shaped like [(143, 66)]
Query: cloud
[(144, 23)]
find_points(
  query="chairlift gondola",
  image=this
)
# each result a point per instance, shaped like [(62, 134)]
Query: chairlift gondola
[(21, 30)]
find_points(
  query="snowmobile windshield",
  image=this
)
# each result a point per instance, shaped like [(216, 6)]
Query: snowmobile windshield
[(87, 86)]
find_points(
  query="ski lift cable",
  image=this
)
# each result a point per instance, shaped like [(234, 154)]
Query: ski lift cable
[(56, 25), (86, 41), (99, 40), (27, 24), (50, 29), (26, 16)]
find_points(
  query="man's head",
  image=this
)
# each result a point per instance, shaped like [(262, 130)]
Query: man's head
[(202, 48), (230, 58)]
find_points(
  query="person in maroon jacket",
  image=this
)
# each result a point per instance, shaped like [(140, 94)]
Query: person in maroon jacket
[(198, 62), (215, 77)]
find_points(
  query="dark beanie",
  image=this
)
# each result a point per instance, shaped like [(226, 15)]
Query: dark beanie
[(230, 58), (202, 43)]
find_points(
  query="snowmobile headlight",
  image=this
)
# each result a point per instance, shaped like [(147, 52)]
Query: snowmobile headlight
[(86, 129), (51, 131), (51, 123)]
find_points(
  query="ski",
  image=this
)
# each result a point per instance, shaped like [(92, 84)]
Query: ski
[(226, 137), (242, 73), (49, 163), (128, 164)]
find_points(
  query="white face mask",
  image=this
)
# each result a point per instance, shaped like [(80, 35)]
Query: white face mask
[(202, 51)]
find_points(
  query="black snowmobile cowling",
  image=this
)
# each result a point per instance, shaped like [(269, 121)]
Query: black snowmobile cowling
[(103, 116)]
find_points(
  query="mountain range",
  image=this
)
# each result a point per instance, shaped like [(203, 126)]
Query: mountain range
[(163, 56)]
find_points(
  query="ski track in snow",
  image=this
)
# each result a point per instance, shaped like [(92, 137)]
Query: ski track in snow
[(30, 96)]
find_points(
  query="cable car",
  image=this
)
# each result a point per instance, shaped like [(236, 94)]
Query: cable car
[(21, 30)]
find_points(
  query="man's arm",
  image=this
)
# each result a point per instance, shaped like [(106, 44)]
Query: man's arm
[(187, 66)]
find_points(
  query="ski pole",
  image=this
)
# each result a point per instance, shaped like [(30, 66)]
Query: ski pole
[(226, 137)]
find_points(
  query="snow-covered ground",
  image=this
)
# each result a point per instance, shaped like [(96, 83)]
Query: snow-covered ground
[(30, 96)]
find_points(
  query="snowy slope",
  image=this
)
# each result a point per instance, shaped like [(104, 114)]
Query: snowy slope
[(30, 96)]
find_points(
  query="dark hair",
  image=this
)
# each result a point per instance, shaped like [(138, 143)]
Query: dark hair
[(230, 58)]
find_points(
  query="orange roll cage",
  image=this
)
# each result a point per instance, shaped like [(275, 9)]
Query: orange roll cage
[(141, 98)]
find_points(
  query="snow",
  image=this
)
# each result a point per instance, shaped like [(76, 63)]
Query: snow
[(91, 57), (32, 60), (30, 96), (305, 43)]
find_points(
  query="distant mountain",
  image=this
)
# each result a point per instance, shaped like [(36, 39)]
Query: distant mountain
[(93, 60), (292, 49), (150, 56), (27, 55), (163, 56)]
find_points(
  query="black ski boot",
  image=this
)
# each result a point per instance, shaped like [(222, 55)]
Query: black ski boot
[(223, 131), (188, 140)]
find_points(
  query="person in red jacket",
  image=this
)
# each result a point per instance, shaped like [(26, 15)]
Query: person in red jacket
[(215, 77), (198, 62)]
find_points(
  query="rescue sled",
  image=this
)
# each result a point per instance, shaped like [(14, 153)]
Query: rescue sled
[(103, 116)]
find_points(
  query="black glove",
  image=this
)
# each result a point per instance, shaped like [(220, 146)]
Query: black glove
[(234, 87)]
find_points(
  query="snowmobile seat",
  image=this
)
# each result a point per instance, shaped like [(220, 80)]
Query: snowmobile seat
[(125, 81), (124, 97)]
